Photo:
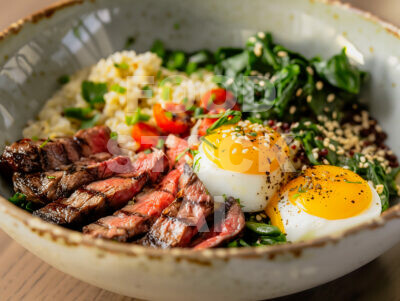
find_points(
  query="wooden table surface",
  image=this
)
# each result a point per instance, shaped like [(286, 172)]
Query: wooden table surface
[(25, 277)]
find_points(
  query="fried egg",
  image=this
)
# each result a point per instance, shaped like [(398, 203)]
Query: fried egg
[(323, 200), (246, 161)]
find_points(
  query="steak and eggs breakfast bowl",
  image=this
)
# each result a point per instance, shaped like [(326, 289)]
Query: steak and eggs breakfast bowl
[(241, 147)]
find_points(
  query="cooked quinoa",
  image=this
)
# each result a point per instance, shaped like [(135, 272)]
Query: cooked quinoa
[(140, 72)]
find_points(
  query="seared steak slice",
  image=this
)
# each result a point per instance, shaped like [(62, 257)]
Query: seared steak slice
[(226, 227), (33, 156), (99, 198), (181, 220), (93, 140), (175, 146), (49, 186), (137, 218), (93, 201)]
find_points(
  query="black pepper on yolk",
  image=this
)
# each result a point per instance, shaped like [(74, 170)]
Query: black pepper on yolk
[(325, 191), (252, 149)]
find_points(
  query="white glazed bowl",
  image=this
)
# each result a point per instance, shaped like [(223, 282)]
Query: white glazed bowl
[(36, 51)]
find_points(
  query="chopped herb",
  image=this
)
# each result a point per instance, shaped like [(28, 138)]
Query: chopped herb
[(35, 138), (90, 122), (51, 177), (19, 199), (177, 26), (148, 92), (78, 113), (137, 117), (204, 139), (169, 115), (196, 164), (93, 93), (114, 135), (166, 93), (147, 151), (122, 66), (254, 134), (352, 182), (118, 89), (44, 143), (63, 79), (198, 112), (228, 117), (160, 143), (182, 154), (296, 195)]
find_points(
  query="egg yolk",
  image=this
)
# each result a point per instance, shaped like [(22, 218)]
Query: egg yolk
[(246, 148), (325, 191)]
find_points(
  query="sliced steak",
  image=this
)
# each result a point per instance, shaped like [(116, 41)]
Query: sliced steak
[(229, 222), (49, 186), (175, 146), (33, 156), (93, 140), (181, 220), (136, 219), (99, 198)]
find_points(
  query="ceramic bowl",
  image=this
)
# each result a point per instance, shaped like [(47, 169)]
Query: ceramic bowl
[(36, 51)]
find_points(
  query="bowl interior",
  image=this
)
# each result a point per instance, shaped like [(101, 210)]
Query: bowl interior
[(79, 35)]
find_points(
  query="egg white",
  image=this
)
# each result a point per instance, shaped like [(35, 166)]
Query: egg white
[(300, 226), (253, 190)]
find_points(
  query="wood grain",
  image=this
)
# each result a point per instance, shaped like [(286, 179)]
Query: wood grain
[(25, 277)]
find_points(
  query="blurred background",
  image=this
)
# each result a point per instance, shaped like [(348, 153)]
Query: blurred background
[(12, 10)]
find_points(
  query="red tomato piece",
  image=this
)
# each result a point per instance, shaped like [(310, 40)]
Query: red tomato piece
[(171, 118), (217, 99), (204, 125), (146, 135)]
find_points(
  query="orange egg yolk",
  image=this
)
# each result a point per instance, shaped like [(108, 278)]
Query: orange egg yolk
[(246, 148), (325, 191)]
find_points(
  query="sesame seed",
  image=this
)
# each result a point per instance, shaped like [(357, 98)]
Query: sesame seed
[(258, 218), (258, 49), (309, 98), (252, 39), (331, 97), (282, 53), (261, 35), (362, 159), (261, 83), (229, 81), (326, 109), (326, 162), (332, 147), (319, 85), (310, 70), (379, 188), (299, 91), (223, 135), (292, 110)]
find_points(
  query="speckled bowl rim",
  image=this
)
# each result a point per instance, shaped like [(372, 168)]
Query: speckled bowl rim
[(73, 238)]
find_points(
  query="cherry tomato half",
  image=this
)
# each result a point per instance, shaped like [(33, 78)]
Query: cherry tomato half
[(217, 99), (204, 125), (146, 135), (171, 118)]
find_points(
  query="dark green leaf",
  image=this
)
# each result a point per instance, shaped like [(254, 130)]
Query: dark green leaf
[(93, 93)]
